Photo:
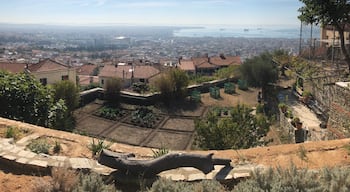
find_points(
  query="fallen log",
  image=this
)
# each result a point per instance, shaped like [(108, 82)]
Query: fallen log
[(150, 168)]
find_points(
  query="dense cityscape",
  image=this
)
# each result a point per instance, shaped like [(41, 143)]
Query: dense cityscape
[(82, 45)]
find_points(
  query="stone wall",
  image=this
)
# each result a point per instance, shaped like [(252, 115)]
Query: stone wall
[(146, 99), (323, 90), (295, 136), (339, 114)]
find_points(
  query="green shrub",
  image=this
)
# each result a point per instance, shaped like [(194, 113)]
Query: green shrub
[(229, 88), (172, 186), (92, 183), (231, 128), (140, 87), (292, 179), (111, 113), (195, 96), (57, 147), (12, 132), (198, 79), (214, 92), (242, 85), (143, 117), (260, 108), (96, 148), (40, 145), (160, 152)]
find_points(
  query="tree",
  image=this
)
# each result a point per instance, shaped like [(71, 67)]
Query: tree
[(66, 100), (173, 84), (59, 117), (240, 130), (112, 92), (23, 98), (180, 81), (67, 91), (282, 58), (328, 12), (259, 71)]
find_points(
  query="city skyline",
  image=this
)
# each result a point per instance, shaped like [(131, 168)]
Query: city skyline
[(153, 12)]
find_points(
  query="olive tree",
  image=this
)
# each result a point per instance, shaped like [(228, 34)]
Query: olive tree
[(260, 70)]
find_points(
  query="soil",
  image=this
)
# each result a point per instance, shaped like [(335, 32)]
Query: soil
[(68, 147), (20, 183), (248, 97)]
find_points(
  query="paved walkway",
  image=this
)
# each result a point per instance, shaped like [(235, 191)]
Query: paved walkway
[(307, 116)]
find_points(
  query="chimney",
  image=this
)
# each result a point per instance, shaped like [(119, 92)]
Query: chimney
[(222, 56), (179, 61)]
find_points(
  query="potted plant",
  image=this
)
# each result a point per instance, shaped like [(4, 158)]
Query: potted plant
[(297, 123), (283, 107), (306, 96), (289, 114)]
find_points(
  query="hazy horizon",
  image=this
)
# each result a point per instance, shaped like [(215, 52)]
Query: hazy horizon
[(151, 13)]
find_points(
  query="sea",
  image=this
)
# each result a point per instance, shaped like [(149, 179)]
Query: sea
[(248, 32)]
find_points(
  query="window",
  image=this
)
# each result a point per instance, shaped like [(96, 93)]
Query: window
[(43, 81), (142, 80), (64, 77), (102, 81)]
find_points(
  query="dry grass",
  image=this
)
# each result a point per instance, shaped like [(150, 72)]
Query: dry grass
[(63, 179)]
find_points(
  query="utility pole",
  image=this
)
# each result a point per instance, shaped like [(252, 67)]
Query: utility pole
[(310, 42), (300, 36)]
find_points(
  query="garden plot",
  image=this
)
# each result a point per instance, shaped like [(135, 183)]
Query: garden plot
[(94, 125), (170, 139), (128, 134), (179, 124)]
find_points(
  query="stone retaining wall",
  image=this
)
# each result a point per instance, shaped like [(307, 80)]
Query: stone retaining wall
[(146, 99), (324, 91), (339, 115)]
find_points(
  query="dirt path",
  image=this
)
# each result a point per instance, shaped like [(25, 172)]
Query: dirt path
[(309, 119)]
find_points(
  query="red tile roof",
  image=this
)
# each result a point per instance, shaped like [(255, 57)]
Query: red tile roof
[(199, 60), (225, 60), (47, 65), (210, 62), (86, 69), (85, 79), (206, 65), (187, 65), (140, 72), (12, 67)]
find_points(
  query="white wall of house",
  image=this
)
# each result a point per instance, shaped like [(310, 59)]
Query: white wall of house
[(125, 83), (56, 75)]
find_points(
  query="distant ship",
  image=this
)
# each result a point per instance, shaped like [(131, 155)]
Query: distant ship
[(222, 29), (246, 30)]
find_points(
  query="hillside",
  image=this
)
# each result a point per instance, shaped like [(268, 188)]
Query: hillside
[(313, 155)]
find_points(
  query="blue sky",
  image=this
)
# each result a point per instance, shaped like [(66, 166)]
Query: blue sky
[(151, 12)]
